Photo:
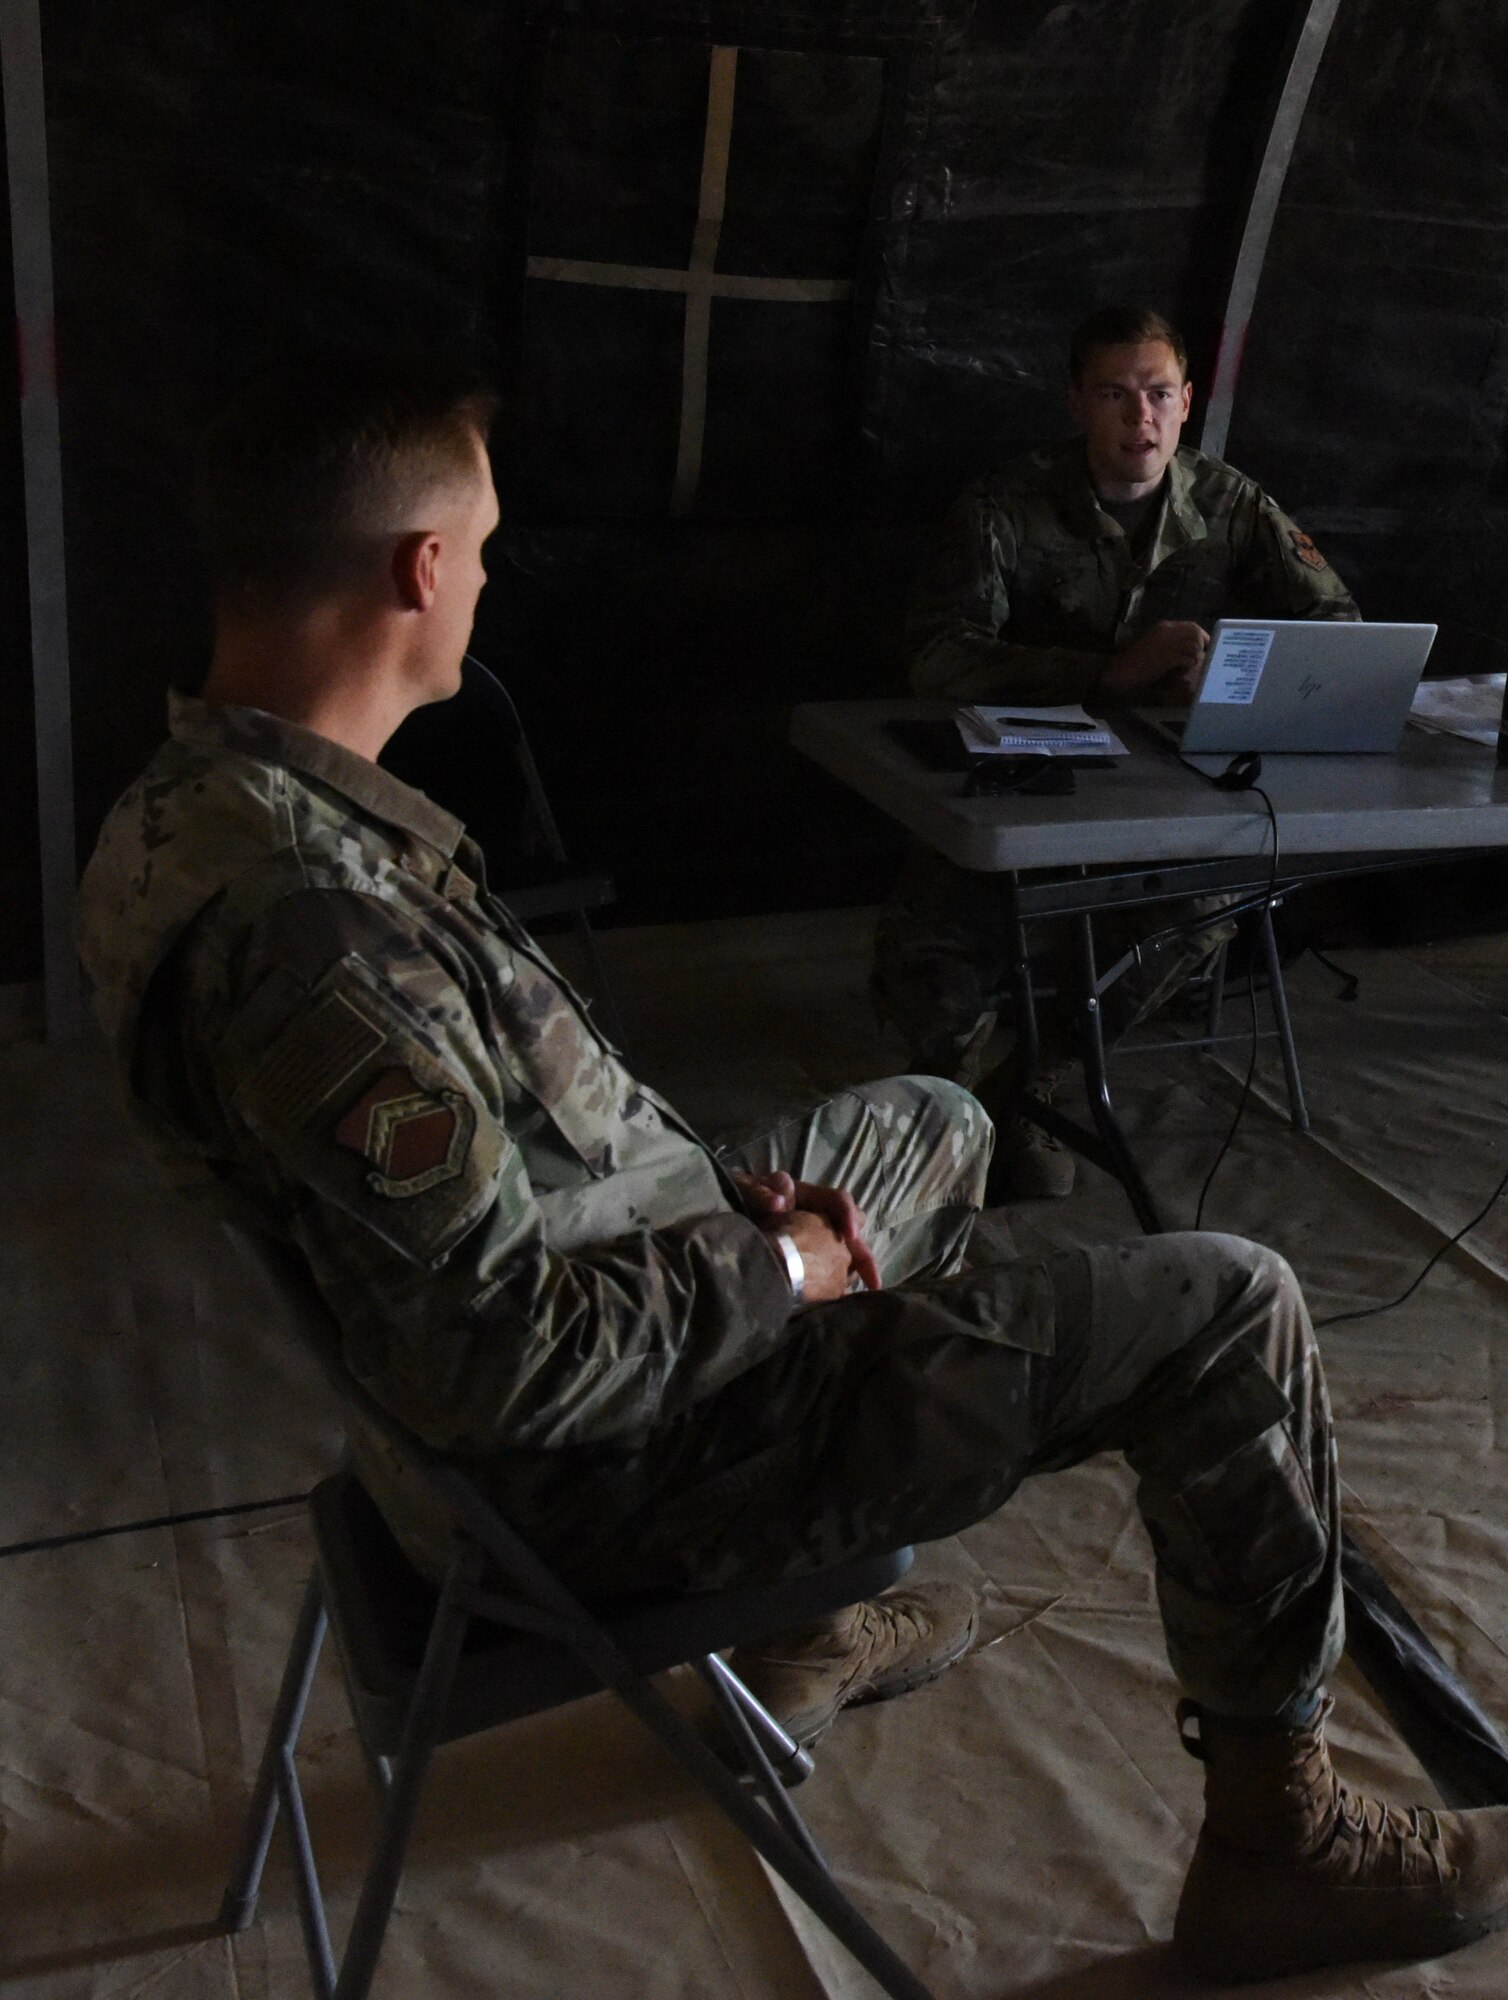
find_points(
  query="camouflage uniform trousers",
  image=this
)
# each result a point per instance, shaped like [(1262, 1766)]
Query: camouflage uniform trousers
[(941, 972), (908, 1414)]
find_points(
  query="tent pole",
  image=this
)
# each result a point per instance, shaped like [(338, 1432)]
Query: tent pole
[(42, 475), (1311, 32)]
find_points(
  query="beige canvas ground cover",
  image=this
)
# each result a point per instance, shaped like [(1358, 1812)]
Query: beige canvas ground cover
[(1020, 1828)]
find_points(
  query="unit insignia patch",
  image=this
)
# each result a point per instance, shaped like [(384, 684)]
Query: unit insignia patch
[(413, 1139)]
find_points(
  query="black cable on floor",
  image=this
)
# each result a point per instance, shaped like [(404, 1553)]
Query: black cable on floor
[(1350, 982), (1368, 1312), (156, 1521), (1236, 780)]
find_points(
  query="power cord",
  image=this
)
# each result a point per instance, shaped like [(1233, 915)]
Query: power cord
[(1369, 1312), (1350, 982), (1241, 775), (154, 1521)]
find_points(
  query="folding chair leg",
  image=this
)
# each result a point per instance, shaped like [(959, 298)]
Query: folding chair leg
[(1298, 1111), (726, 1691), (1215, 998), (239, 1904), (788, 1760), (791, 1859), (426, 1716)]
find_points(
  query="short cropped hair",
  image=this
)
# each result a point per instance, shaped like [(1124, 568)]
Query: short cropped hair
[(305, 475), (1123, 326)]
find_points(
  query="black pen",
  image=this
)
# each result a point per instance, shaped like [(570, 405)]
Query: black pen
[(1037, 722)]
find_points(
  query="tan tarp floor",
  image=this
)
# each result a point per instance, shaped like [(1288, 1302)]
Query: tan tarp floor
[(1019, 1828)]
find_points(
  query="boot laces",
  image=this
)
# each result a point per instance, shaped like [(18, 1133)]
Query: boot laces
[(895, 1624), (1349, 1836), (1387, 1842)]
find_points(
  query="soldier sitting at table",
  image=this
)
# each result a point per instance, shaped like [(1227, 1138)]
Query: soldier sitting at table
[(1089, 571)]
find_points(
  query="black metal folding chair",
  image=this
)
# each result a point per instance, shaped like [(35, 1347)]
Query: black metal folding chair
[(500, 1639)]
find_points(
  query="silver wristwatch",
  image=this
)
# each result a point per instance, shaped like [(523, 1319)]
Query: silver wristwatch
[(795, 1265)]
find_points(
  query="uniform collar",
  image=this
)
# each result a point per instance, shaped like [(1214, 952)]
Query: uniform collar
[(1181, 507), (1178, 520), (1076, 496), (250, 732)]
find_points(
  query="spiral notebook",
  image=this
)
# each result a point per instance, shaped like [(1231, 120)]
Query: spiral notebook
[(1011, 729)]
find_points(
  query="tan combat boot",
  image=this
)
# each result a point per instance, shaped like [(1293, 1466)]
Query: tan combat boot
[(1294, 1871), (867, 1652)]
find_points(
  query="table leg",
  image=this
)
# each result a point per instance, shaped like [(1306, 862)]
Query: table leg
[(1097, 1084), (1298, 1111), (1215, 1000)]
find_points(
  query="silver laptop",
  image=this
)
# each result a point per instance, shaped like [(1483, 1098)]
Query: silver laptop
[(1286, 684)]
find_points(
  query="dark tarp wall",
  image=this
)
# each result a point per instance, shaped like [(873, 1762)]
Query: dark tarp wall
[(229, 184), (20, 895), (712, 508), (1375, 393)]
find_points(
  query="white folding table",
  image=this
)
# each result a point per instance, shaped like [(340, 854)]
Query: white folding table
[(1147, 830)]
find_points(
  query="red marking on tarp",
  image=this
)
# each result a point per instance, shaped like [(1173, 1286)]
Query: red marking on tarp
[(42, 379), (1235, 338)]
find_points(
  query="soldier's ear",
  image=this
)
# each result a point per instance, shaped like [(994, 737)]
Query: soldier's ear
[(414, 569)]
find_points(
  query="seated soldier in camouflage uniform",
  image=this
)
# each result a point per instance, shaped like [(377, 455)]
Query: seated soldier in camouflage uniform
[(676, 1369), (1090, 571)]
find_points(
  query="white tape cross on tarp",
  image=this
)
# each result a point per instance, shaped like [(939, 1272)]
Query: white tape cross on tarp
[(700, 281)]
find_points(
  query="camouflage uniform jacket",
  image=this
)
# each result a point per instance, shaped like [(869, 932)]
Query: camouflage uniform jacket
[(326, 1017), (1032, 585)]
